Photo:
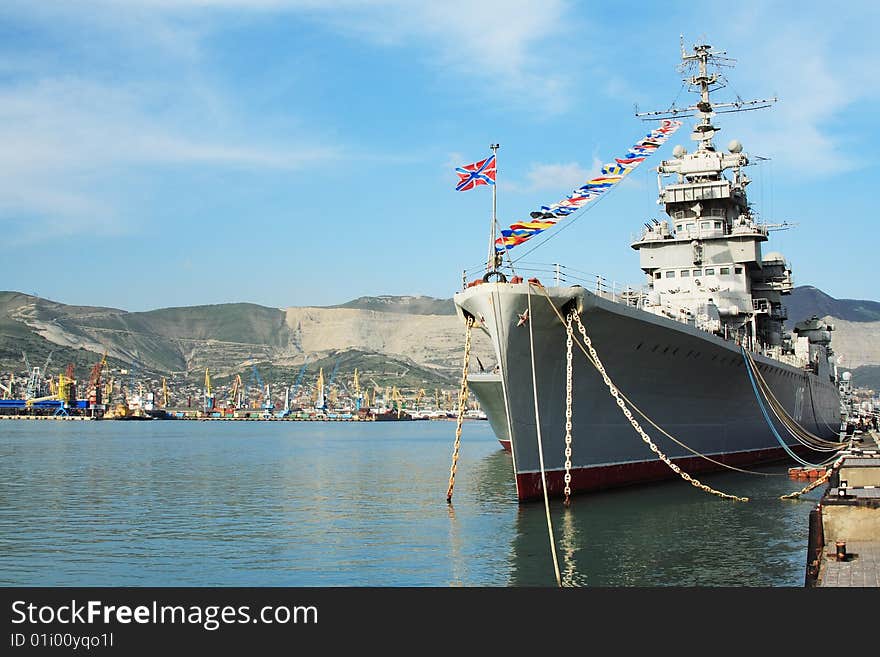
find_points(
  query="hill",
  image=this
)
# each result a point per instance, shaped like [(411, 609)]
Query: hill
[(806, 301), (405, 305), (397, 339), (392, 339), (867, 376)]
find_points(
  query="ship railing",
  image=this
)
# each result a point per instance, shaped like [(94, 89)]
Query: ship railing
[(557, 274)]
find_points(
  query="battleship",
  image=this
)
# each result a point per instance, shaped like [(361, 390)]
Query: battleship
[(696, 354)]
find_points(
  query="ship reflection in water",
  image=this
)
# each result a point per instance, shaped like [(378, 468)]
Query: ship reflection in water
[(668, 534), (356, 504)]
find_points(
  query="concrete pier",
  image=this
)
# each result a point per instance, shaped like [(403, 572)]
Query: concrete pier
[(844, 545)]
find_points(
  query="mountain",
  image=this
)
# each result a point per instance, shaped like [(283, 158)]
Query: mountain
[(856, 335), (405, 305), (417, 339), (867, 376), (401, 340), (806, 301)]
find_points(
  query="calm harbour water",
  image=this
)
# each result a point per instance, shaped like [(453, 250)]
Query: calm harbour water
[(357, 504)]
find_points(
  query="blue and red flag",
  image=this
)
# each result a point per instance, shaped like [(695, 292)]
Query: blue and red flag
[(478, 173)]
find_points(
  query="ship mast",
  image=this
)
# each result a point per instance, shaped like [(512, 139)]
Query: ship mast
[(704, 82), (492, 260)]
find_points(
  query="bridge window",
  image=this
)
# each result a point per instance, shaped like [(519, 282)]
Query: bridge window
[(717, 224), (657, 274), (710, 271), (698, 272), (706, 225), (725, 271), (738, 270), (670, 274), (684, 273)]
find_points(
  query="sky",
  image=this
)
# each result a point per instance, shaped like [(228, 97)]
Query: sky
[(158, 153)]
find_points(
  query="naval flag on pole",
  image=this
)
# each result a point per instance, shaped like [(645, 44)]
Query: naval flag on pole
[(478, 173)]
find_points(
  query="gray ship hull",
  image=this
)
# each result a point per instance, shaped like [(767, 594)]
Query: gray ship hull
[(689, 382)]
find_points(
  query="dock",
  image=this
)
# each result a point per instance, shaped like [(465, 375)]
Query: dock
[(844, 536)]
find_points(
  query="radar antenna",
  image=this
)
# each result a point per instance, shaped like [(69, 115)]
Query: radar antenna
[(699, 80)]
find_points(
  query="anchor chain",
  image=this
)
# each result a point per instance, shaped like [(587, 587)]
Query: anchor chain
[(635, 424), (462, 399), (806, 489), (568, 344)]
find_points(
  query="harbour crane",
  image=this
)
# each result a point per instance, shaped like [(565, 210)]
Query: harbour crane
[(236, 393), (45, 371), (63, 390), (108, 391), (333, 373), (356, 389), (7, 390), (256, 382), (36, 378), (298, 382), (93, 392), (320, 402), (209, 397), (330, 390), (397, 400), (164, 393)]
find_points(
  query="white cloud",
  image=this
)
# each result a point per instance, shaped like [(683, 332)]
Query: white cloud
[(821, 65), (559, 177), (506, 48), (64, 137)]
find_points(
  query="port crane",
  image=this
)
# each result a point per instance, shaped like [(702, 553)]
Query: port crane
[(93, 392), (397, 400), (298, 382), (235, 394), (331, 391), (66, 390), (356, 389), (208, 404), (290, 397), (320, 402), (36, 378), (164, 393), (255, 382)]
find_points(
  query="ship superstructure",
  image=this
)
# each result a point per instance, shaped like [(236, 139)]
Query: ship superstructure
[(704, 260)]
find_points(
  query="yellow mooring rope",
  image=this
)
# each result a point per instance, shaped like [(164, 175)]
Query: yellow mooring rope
[(806, 489), (462, 401), (593, 358), (541, 447)]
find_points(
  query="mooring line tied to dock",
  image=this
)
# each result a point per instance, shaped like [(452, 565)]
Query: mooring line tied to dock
[(593, 357), (762, 391), (612, 389), (803, 436), (462, 402), (541, 446), (818, 482)]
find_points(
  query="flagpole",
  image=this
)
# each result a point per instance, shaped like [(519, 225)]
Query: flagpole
[(490, 263)]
